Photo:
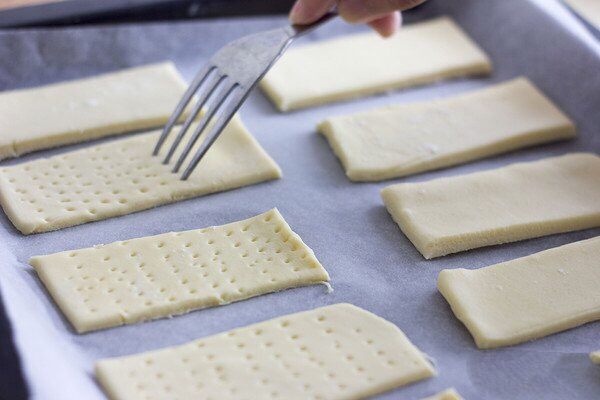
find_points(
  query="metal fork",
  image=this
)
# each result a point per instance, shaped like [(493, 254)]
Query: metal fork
[(225, 82)]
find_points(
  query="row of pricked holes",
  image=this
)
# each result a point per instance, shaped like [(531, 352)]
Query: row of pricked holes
[(151, 281), (161, 244), (89, 183), (258, 331), (238, 244), (183, 282)]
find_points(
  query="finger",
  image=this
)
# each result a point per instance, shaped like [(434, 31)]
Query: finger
[(360, 11), (387, 25), (308, 11)]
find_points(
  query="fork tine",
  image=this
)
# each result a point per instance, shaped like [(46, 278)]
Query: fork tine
[(212, 86), (225, 94), (230, 109), (187, 96)]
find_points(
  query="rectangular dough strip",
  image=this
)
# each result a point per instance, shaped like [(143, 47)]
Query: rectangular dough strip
[(335, 352), (122, 177), (364, 64), (405, 139), (84, 109), (173, 273), (520, 201), (527, 298)]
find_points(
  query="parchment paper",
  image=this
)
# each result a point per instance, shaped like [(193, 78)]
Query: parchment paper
[(370, 261)]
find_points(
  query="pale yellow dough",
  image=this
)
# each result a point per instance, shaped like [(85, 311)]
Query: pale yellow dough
[(364, 64), (173, 273), (402, 139), (448, 394), (527, 298), (79, 110), (520, 201), (336, 352), (121, 177), (588, 9), (595, 357)]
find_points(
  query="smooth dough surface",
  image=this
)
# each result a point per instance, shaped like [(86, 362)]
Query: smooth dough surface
[(517, 202), (400, 140), (527, 298), (79, 110), (595, 357), (363, 64), (448, 394), (121, 177), (335, 352), (168, 274), (588, 9)]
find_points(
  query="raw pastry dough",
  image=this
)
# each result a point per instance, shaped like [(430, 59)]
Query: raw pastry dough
[(448, 394), (75, 111), (173, 273), (589, 10), (529, 297), (405, 139), (595, 357), (334, 352), (521, 201), (121, 177), (364, 64)]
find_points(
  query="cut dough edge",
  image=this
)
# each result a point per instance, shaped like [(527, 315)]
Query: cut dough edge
[(114, 375), (457, 287), (56, 270), (336, 131), (595, 357)]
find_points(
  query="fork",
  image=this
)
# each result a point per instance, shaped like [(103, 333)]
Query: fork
[(223, 85)]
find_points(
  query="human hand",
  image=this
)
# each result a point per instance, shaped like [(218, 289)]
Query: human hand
[(382, 15)]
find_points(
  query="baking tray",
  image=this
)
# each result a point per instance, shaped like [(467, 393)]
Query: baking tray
[(69, 12), (370, 261)]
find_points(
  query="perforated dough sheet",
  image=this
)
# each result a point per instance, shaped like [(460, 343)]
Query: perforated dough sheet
[(121, 176), (159, 276), (370, 262), (333, 352)]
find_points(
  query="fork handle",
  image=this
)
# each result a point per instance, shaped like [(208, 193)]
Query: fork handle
[(299, 30)]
